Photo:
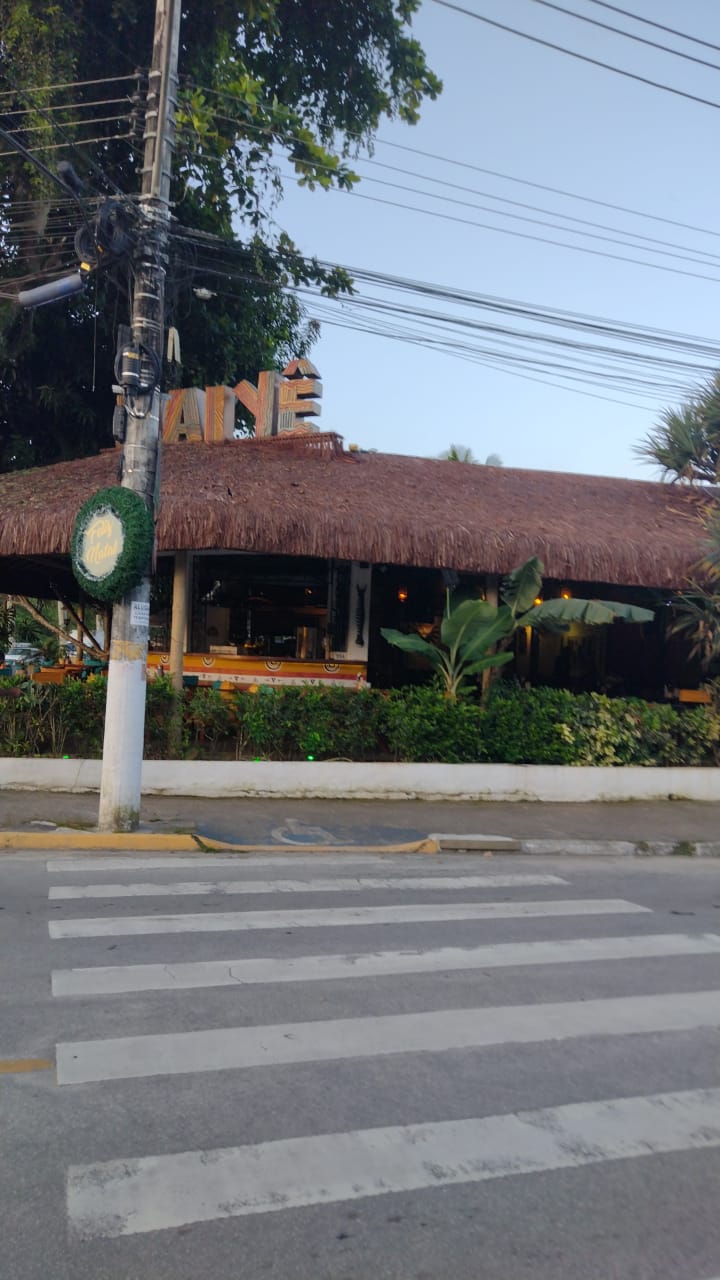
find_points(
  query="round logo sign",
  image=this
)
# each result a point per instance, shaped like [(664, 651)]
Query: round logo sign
[(112, 543), (101, 544)]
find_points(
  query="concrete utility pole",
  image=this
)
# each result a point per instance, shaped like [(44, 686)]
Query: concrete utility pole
[(120, 789)]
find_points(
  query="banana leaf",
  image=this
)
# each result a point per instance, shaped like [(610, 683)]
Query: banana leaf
[(413, 643), (523, 585), (560, 613)]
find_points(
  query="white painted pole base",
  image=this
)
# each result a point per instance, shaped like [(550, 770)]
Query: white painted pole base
[(120, 786)]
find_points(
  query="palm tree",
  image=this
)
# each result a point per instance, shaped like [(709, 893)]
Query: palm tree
[(463, 453), (686, 442)]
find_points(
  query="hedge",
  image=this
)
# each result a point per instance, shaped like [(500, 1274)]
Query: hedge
[(516, 726)]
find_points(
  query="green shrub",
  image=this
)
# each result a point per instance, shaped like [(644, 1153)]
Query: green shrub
[(517, 726), (161, 705), (423, 724), (529, 726), (325, 723), (265, 720), (82, 706), (208, 717), (629, 731)]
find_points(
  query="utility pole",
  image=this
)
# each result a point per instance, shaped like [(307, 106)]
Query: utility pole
[(120, 789)]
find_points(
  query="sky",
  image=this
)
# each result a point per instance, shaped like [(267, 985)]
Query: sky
[(541, 116)]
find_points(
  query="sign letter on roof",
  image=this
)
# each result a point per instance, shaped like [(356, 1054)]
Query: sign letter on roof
[(279, 403)]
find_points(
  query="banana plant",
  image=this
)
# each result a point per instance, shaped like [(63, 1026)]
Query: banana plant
[(475, 635)]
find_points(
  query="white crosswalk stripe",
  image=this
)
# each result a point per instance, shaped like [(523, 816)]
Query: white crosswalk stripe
[(125, 1197), (331, 917), (242, 1047), (198, 888), (119, 1192), (172, 862), (123, 979)]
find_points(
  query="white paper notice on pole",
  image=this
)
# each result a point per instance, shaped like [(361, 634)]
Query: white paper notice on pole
[(139, 613)]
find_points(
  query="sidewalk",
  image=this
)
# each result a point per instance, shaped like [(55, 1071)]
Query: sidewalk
[(657, 827)]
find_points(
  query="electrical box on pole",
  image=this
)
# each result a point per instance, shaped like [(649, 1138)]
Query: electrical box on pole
[(138, 365)]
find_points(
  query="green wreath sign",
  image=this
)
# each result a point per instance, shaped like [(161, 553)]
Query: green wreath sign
[(111, 543)]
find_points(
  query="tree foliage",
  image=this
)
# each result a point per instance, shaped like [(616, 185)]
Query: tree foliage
[(307, 81), (686, 442), (463, 453)]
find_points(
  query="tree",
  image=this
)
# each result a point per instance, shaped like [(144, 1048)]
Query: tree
[(475, 635), (463, 453), (686, 442), (308, 80)]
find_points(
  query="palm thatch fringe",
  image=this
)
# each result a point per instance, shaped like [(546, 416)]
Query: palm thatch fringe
[(304, 496)]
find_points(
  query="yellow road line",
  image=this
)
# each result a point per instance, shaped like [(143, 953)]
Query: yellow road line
[(13, 1066)]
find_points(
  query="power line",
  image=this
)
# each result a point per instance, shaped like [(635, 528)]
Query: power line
[(572, 53), (585, 222), (68, 106), (94, 120), (660, 339), (553, 315), (476, 168), (520, 204), (27, 96), (648, 22), (606, 362), (58, 146), (526, 235), (69, 84), (535, 222), (504, 361), (19, 148), (606, 26)]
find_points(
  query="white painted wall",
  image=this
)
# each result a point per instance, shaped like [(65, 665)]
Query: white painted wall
[(342, 780)]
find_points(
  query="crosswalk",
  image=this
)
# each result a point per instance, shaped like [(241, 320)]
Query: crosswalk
[(475, 929)]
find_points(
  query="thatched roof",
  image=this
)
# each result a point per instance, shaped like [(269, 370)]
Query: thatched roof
[(311, 498)]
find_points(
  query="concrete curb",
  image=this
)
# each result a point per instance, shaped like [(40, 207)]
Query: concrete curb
[(140, 842), (342, 780), (621, 848), (66, 839)]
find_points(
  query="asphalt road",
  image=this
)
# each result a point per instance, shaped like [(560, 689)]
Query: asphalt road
[(327, 1068)]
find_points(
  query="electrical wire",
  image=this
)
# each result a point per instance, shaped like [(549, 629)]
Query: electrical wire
[(73, 106), (526, 235), (648, 22), (95, 168), (600, 363), (652, 240), (238, 252), (475, 168), (538, 222), (606, 26), (59, 146), (491, 360), (688, 254), (70, 84), (569, 217), (33, 130), (572, 53)]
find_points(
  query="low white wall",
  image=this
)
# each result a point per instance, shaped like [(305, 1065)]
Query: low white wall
[(342, 780)]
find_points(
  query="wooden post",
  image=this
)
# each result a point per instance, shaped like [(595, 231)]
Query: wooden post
[(178, 626), (492, 596), (81, 633)]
